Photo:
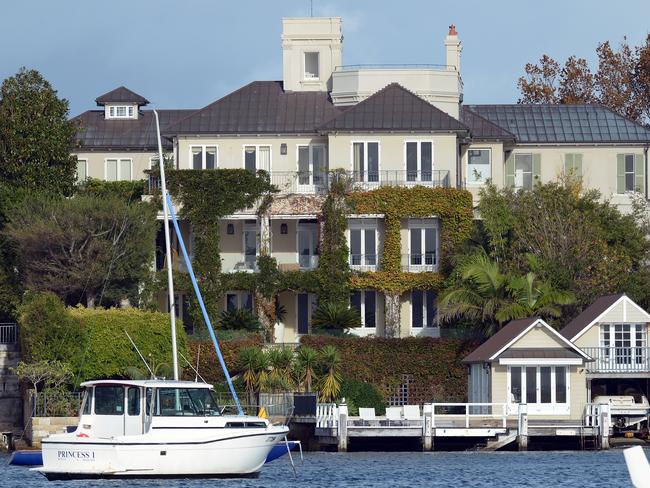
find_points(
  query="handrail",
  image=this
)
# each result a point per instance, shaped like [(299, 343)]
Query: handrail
[(618, 359), (353, 67), (8, 333)]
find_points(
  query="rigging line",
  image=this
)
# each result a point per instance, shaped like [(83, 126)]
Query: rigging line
[(199, 297), (153, 376)]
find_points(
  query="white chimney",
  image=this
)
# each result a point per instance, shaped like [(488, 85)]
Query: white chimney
[(454, 48)]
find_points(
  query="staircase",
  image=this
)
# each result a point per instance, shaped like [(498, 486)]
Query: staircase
[(502, 440), (11, 404)]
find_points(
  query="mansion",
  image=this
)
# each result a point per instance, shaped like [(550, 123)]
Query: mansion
[(384, 126)]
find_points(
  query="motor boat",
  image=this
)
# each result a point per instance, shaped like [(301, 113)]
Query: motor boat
[(637, 466), (161, 428)]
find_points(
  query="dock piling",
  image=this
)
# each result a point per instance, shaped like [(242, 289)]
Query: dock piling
[(427, 427), (522, 427), (343, 428), (604, 426)]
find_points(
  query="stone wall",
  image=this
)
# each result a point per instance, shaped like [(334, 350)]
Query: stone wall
[(41, 427), (10, 398)]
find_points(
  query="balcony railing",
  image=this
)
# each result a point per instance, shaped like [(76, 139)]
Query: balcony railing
[(417, 263), (307, 261), (364, 262), (300, 181), (367, 180), (618, 359), (8, 333)]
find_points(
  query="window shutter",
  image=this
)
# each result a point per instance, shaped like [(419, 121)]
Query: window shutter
[(639, 173), (620, 173), (510, 171), (537, 168), (568, 164), (577, 165)]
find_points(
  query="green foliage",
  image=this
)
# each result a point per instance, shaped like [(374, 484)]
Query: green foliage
[(361, 394), (253, 365), (306, 367), (87, 249), (335, 318), (433, 365), (329, 385), (44, 373), (204, 358), (48, 332), (577, 242), (239, 319), (36, 137), (280, 377), (129, 191)]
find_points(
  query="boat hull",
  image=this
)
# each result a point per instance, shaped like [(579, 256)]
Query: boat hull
[(222, 454)]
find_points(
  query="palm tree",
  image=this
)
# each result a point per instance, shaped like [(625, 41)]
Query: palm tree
[(280, 362), (335, 318), (330, 383), (306, 363), (531, 296), (253, 364)]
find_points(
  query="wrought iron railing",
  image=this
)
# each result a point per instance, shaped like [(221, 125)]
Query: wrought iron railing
[(618, 359), (300, 181), (8, 333), (367, 180), (364, 262), (417, 263)]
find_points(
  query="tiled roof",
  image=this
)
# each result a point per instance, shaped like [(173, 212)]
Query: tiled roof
[(97, 133), (539, 353), (499, 340), (121, 95), (578, 124), (393, 108), (261, 107), (589, 314), (481, 128)]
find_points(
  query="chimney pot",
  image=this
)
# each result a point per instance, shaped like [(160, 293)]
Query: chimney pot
[(452, 30)]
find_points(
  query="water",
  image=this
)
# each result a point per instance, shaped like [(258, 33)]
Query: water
[(394, 469)]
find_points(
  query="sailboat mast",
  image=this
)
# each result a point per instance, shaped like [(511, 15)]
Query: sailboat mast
[(168, 250)]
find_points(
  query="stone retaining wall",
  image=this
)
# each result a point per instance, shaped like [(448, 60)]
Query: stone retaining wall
[(41, 427)]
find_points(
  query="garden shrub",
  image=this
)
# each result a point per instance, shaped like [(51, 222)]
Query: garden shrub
[(361, 394)]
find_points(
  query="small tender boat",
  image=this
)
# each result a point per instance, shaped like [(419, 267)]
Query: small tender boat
[(26, 458), (638, 466)]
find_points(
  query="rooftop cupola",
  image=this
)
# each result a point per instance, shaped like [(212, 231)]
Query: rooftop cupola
[(454, 48), (311, 52), (121, 103)]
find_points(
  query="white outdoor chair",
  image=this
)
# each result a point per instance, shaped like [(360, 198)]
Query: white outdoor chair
[(394, 415), (412, 413), (367, 416)]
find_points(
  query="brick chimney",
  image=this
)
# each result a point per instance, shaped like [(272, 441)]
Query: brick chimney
[(454, 48)]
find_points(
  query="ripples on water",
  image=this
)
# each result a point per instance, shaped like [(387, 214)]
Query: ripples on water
[(394, 469)]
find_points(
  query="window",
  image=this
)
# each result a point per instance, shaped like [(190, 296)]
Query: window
[(305, 303), (121, 112), (538, 385), (87, 402), (109, 400), (118, 169), (82, 170), (623, 345), (630, 173), (203, 157), (311, 66), (479, 166), (365, 161), (257, 157), (365, 301), (133, 400), (363, 242), (312, 165), (423, 245), (236, 300), (308, 244), (573, 165), (250, 244), (523, 170), (195, 402), (423, 309), (419, 161)]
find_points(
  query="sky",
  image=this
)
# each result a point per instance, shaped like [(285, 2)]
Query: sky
[(188, 53)]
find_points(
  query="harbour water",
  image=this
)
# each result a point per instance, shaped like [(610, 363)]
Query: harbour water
[(396, 469)]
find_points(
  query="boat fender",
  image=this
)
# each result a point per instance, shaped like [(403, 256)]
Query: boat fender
[(82, 435)]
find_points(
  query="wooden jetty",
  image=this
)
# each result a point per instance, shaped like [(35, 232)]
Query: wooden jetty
[(488, 425)]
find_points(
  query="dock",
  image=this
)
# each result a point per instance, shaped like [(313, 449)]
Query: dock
[(486, 426)]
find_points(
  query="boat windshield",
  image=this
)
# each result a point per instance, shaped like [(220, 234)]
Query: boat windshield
[(196, 402)]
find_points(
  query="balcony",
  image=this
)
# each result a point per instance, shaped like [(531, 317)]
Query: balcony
[(364, 262), (418, 263), (308, 182), (369, 180), (618, 359)]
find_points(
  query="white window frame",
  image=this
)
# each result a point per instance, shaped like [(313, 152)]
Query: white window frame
[(304, 66), (311, 185), (241, 295), (111, 111), (85, 161), (362, 225), (610, 350), (532, 172), (551, 408), (257, 152), (312, 304), (314, 256), (418, 178), (469, 173), (425, 326), (362, 311), (422, 224), (364, 178), (119, 168), (626, 172), (250, 227), (203, 155)]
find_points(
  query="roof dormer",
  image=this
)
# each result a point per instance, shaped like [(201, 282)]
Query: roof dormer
[(121, 103)]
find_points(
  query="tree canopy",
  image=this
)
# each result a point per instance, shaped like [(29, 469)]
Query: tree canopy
[(621, 80)]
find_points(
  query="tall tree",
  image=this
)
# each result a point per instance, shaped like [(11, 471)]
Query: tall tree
[(576, 83), (36, 136), (85, 249), (615, 79), (539, 84)]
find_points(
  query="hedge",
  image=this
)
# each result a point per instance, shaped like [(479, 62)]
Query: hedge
[(92, 341), (432, 367)]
